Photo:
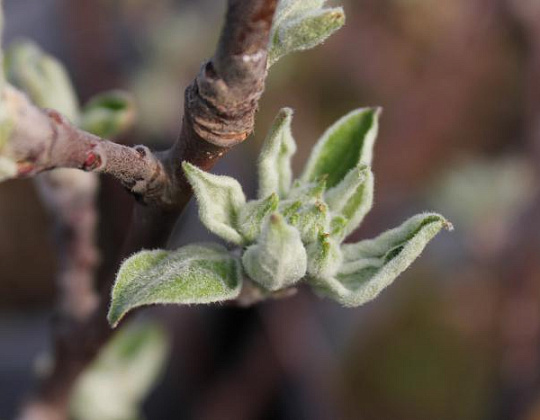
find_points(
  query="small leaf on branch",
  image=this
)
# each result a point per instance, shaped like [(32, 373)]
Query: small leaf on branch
[(253, 214), (192, 274), (303, 30), (220, 200)]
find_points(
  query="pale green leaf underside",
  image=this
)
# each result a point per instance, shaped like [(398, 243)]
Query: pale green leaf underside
[(346, 144), (291, 9), (192, 274), (275, 173), (220, 199), (370, 266), (122, 376)]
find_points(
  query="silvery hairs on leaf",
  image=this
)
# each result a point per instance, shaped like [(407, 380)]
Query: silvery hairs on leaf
[(220, 199), (203, 273), (275, 173), (370, 266), (301, 25), (278, 259), (124, 373)]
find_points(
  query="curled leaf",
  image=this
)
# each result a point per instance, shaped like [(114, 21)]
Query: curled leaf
[(220, 200), (338, 196), (278, 259), (345, 145), (275, 173), (370, 266), (108, 114), (192, 274), (292, 9)]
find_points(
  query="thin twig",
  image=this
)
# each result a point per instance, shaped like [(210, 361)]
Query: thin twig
[(219, 113)]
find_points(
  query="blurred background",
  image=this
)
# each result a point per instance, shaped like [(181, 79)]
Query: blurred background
[(457, 337)]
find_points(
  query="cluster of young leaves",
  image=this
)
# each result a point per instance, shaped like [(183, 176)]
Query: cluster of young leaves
[(292, 232)]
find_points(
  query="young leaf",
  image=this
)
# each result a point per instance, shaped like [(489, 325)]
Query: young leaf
[(275, 173), (324, 257), (291, 9), (370, 266), (278, 260), (42, 77), (108, 114), (252, 215), (305, 31), (192, 274), (338, 196), (118, 381), (345, 145), (220, 200), (359, 204)]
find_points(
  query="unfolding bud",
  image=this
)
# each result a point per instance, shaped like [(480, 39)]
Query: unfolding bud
[(324, 257), (42, 77), (108, 114), (279, 259), (311, 220), (252, 216)]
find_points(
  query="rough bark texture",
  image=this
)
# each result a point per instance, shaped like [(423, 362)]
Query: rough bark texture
[(219, 114)]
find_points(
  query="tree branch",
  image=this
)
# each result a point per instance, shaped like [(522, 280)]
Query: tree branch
[(219, 113)]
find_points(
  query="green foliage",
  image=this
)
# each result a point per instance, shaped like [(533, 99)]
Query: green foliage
[(192, 274), (114, 386), (108, 114), (301, 25), (296, 232)]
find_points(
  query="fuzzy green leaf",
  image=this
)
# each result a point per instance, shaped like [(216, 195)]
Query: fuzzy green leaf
[(338, 196), (253, 215), (192, 274), (275, 173), (42, 77), (124, 373), (324, 257), (304, 31), (370, 266), (220, 200), (345, 145), (108, 114), (292, 9), (279, 259), (359, 205)]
